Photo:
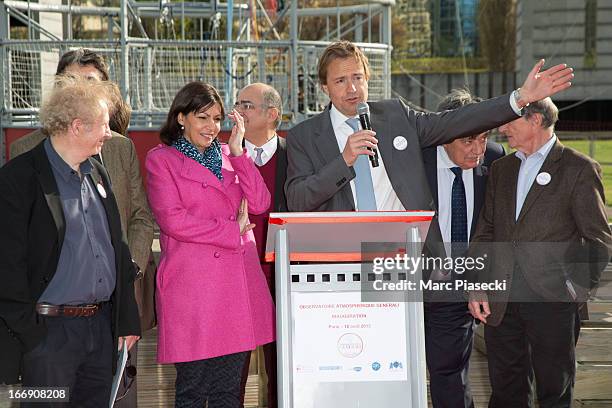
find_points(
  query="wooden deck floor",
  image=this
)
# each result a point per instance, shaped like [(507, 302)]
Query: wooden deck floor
[(156, 382)]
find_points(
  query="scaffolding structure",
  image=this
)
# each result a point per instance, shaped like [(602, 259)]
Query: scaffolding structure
[(239, 42)]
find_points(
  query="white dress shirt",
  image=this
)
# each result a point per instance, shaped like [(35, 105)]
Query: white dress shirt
[(514, 105), (386, 198), (530, 167), (269, 148), (445, 187)]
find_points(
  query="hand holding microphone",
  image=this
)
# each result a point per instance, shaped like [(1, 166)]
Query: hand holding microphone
[(363, 110), (361, 142)]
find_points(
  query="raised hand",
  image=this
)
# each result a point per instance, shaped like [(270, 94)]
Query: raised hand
[(356, 145), (235, 140), (540, 85)]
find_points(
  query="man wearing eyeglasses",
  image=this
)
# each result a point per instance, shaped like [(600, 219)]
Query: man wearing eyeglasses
[(261, 107), (457, 175)]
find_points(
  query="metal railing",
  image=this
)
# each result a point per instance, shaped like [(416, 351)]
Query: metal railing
[(156, 69)]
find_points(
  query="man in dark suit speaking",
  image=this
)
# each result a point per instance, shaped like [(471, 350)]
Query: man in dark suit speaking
[(457, 174), (328, 168)]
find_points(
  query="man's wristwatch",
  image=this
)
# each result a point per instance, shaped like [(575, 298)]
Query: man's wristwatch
[(518, 99)]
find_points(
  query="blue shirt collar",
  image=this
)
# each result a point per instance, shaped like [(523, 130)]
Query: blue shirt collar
[(542, 152), (61, 167)]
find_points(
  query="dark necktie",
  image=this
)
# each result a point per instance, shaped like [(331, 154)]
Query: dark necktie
[(459, 228)]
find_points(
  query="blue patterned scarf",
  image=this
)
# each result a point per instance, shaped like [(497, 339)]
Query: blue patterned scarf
[(211, 158)]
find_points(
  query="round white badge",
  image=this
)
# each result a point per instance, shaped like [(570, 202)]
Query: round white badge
[(543, 178), (400, 143), (101, 190)]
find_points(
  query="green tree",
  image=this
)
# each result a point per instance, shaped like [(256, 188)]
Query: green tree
[(497, 28)]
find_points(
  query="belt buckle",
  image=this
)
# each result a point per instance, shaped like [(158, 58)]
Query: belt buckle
[(44, 309)]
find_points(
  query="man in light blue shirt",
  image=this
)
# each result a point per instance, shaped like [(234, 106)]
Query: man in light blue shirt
[(531, 161), (544, 213)]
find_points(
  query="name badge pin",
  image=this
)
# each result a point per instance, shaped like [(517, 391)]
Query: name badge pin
[(400, 143), (543, 178), (101, 190)]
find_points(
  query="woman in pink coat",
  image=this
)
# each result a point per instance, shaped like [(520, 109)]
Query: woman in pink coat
[(213, 303)]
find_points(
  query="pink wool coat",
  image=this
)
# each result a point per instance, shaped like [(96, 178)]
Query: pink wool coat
[(212, 297)]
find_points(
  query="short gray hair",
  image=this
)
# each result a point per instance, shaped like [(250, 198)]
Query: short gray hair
[(546, 108), (456, 99), (272, 99), (74, 97)]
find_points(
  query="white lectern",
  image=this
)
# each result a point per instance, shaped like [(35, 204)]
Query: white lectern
[(333, 349)]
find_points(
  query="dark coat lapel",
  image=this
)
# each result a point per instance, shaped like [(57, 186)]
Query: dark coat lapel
[(509, 189), (100, 180), (480, 174), (325, 138), (480, 181), (550, 166), (326, 144), (398, 165), (430, 160), (280, 203), (50, 190), (385, 141)]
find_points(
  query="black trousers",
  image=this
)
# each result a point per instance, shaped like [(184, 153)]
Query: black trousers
[(449, 334), (269, 351), (76, 353), (533, 340), (213, 380)]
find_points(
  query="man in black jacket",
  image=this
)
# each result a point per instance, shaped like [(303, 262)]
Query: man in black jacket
[(66, 274), (457, 175)]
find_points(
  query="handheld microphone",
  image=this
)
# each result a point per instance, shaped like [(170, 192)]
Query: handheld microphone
[(363, 110)]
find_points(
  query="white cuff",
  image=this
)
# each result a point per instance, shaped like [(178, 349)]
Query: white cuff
[(514, 105)]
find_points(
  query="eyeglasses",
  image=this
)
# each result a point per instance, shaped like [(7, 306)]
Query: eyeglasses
[(129, 375), (247, 106)]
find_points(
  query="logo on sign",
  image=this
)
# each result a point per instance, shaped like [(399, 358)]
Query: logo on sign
[(350, 345), (330, 368), (376, 366), (396, 366)]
